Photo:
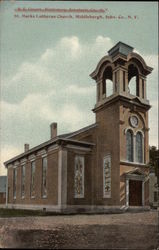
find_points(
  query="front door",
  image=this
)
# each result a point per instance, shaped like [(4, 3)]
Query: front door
[(135, 193)]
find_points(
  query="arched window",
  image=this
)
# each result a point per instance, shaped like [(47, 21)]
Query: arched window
[(133, 79), (107, 82), (129, 145), (139, 147)]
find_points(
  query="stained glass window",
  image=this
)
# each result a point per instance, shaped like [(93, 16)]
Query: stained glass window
[(14, 182), (129, 145), (23, 181), (44, 177), (107, 176), (139, 150), (79, 177), (33, 179)]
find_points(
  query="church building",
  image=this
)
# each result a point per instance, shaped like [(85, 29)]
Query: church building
[(100, 167)]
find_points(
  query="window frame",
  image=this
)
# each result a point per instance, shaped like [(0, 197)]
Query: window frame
[(132, 145), (42, 188), (31, 184), (14, 183), (23, 180)]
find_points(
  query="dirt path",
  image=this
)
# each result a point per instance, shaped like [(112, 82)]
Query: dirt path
[(117, 231)]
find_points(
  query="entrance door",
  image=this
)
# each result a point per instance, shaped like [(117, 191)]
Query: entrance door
[(135, 193)]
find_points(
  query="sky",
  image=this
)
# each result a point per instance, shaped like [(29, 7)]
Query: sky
[(46, 62)]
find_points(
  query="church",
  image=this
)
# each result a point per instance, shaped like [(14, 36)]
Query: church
[(101, 167)]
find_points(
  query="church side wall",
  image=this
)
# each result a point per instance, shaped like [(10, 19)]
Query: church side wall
[(52, 182)]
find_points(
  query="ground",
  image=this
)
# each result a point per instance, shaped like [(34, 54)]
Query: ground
[(103, 231)]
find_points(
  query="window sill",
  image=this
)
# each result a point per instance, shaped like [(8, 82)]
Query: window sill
[(44, 197), (134, 163), (32, 197)]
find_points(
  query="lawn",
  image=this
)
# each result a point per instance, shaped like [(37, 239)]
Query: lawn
[(5, 213)]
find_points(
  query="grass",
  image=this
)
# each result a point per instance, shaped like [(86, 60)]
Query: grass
[(5, 213)]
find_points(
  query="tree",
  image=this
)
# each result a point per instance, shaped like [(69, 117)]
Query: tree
[(154, 160)]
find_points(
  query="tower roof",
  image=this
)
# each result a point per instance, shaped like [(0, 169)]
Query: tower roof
[(121, 48)]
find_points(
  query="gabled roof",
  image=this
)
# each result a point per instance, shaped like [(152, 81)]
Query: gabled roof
[(81, 130), (61, 139), (3, 180)]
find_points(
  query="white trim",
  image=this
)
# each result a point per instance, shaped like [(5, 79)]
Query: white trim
[(44, 155), (127, 192), (23, 161), (133, 163), (78, 148), (7, 189), (16, 163), (59, 176), (15, 166), (41, 152), (128, 128), (62, 177), (32, 157), (139, 130), (53, 148), (10, 166)]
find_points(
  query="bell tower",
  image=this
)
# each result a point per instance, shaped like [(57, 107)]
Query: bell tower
[(118, 68), (121, 111)]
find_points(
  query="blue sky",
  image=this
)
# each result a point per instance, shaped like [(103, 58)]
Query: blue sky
[(45, 67)]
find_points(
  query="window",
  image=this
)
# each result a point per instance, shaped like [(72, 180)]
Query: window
[(143, 88), (129, 146), (124, 81), (107, 177), (98, 92), (155, 196), (23, 181), (116, 81), (133, 79), (44, 177), (14, 182), (79, 177), (139, 147), (32, 179), (107, 82)]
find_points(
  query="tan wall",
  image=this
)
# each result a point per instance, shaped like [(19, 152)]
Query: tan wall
[(107, 142), (125, 113), (52, 182)]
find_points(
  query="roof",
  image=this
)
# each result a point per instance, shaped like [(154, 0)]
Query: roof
[(64, 138), (3, 180)]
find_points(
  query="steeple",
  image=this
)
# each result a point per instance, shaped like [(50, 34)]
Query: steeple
[(117, 71)]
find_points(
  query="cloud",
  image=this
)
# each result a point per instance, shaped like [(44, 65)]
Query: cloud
[(56, 87), (7, 152)]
